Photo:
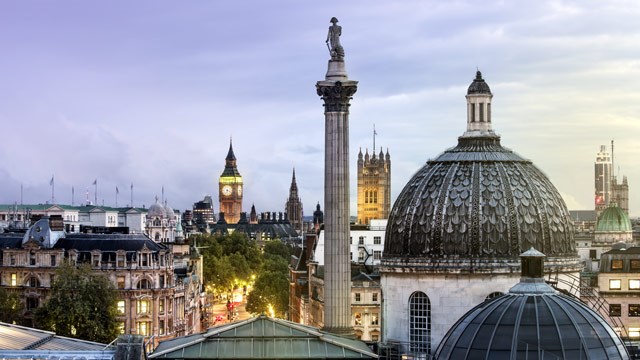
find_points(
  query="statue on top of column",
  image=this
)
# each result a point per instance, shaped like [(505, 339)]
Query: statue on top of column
[(333, 39)]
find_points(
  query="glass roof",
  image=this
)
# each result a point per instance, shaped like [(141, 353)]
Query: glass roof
[(263, 338)]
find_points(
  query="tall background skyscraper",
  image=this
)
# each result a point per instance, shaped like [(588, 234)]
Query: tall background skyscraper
[(608, 187)]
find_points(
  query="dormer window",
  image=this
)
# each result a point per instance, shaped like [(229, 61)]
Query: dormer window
[(144, 260)]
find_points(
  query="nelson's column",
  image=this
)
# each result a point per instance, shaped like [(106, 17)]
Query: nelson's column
[(336, 91)]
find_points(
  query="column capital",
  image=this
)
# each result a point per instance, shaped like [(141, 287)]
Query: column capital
[(336, 94)]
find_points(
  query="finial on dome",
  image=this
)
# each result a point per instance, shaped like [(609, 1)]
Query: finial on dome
[(479, 108)]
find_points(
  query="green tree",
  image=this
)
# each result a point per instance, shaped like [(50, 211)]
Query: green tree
[(271, 288), (227, 258), (277, 248), (10, 307), (272, 284), (82, 305)]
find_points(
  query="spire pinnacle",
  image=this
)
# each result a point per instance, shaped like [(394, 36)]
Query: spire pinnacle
[(230, 154), (374, 139)]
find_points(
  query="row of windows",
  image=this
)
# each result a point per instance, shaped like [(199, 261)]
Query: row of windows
[(358, 297), (53, 260), (618, 264), (371, 196), (144, 327), (616, 284), (30, 282), (143, 307), (377, 255), (377, 240), (96, 260), (616, 310), (359, 321), (33, 281)]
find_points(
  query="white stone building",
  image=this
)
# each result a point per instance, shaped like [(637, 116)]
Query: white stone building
[(366, 243)]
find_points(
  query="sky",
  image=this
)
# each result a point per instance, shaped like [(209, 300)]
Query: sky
[(150, 92)]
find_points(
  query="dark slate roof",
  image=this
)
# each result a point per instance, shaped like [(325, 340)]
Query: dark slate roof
[(11, 241), (631, 250), (473, 192), (108, 242), (230, 154), (478, 86), (279, 230), (262, 338)]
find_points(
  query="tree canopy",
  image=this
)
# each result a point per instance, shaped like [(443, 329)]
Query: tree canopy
[(82, 305), (271, 288), (10, 307), (227, 259)]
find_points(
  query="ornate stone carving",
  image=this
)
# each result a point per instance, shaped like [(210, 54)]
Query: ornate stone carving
[(336, 96)]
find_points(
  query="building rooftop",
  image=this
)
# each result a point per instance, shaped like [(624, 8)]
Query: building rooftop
[(262, 337), (23, 342)]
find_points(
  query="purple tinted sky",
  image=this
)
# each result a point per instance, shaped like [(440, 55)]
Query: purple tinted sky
[(149, 92)]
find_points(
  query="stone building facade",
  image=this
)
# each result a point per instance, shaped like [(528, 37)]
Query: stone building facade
[(374, 186), (619, 286), (154, 298)]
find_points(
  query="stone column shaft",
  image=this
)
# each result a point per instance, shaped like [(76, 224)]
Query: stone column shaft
[(337, 273)]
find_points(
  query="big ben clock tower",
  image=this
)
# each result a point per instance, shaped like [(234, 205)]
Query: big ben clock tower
[(230, 189)]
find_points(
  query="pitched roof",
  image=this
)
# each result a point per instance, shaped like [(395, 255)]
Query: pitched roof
[(263, 337), (15, 337)]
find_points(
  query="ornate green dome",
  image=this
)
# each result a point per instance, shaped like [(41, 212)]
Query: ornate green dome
[(613, 219)]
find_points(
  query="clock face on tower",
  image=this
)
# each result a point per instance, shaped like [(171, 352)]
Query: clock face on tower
[(240, 190), (226, 190)]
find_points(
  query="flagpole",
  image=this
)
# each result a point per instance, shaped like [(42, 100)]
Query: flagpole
[(95, 194), (117, 196), (132, 195), (21, 194)]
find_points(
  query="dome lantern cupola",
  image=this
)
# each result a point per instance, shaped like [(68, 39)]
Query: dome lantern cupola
[(479, 108)]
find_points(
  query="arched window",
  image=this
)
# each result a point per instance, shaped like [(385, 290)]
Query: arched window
[(156, 222), (144, 284), (494, 294), (33, 282), (420, 323), (157, 236)]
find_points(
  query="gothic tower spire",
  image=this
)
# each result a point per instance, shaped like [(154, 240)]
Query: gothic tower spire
[(293, 206)]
